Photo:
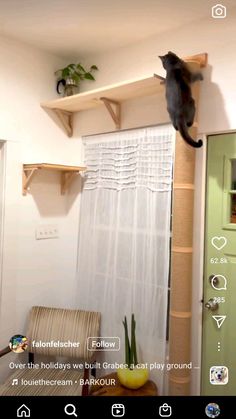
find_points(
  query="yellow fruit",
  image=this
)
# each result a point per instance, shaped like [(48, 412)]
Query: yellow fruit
[(133, 379)]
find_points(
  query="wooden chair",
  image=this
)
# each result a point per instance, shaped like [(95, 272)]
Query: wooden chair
[(55, 325)]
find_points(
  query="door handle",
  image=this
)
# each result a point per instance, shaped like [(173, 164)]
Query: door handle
[(212, 305)]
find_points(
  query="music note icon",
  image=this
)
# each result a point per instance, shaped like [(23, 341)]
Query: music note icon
[(14, 382)]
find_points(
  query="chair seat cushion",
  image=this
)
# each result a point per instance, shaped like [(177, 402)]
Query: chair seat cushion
[(42, 382)]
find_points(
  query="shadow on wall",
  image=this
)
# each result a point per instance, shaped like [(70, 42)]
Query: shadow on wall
[(46, 192), (51, 114), (212, 114)]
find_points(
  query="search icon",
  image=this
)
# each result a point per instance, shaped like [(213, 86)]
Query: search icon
[(70, 410)]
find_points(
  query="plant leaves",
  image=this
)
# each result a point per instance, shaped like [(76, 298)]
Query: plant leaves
[(79, 67), (127, 344), (76, 72), (89, 76), (76, 78), (133, 349), (79, 75), (65, 73)]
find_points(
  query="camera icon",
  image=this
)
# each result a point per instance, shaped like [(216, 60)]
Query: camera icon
[(218, 11)]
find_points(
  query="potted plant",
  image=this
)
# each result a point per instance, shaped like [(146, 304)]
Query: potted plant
[(133, 375), (71, 76)]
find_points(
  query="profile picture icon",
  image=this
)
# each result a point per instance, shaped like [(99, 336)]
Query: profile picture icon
[(212, 410), (18, 344)]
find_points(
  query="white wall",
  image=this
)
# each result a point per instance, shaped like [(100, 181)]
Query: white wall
[(33, 272), (217, 37)]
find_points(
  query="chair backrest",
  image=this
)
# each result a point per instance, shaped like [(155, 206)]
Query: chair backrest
[(62, 332)]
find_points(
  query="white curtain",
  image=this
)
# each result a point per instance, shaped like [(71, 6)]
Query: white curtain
[(123, 257)]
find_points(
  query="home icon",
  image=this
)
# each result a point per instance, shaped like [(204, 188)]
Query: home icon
[(23, 412)]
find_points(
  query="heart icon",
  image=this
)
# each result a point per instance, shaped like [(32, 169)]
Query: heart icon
[(219, 242)]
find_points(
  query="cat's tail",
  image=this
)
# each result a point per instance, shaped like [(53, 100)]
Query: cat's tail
[(184, 133)]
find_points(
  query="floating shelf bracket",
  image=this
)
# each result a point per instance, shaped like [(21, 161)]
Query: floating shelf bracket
[(68, 173), (66, 119), (66, 179), (27, 176), (115, 114)]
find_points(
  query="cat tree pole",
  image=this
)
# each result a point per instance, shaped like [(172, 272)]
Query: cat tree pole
[(182, 251)]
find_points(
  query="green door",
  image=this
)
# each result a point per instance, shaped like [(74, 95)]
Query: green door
[(219, 320)]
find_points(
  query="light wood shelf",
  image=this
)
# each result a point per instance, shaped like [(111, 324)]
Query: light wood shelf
[(111, 96), (68, 173)]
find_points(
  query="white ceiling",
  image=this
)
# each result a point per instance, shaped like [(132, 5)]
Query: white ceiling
[(82, 27)]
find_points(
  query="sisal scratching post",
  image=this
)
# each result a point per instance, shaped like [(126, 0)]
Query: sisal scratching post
[(181, 252)]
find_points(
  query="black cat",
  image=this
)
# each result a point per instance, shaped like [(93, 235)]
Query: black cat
[(180, 104)]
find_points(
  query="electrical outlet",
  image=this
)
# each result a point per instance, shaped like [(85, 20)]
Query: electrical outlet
[(46, 232)]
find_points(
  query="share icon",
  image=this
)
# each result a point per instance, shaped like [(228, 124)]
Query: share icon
[(219, 320)]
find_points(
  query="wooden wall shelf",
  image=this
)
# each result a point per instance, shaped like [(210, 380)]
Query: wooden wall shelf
[(111, 96), (68, 173)]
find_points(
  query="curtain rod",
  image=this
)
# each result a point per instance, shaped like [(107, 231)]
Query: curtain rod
[(126, 129)]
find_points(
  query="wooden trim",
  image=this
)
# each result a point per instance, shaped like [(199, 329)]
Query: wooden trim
[(56, 167), (179, 249), (183, 186), (181, 315)]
